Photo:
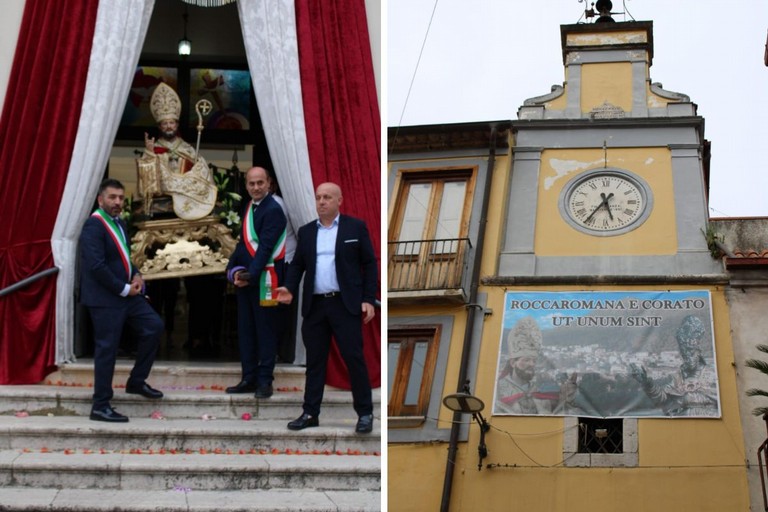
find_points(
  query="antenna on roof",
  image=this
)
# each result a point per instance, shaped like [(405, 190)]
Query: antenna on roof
[(765, 57), (602, 11)]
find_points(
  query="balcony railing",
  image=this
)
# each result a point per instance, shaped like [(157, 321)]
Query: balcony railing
[(436, 264)]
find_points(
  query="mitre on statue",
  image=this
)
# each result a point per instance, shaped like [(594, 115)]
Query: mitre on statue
[(165, 103)]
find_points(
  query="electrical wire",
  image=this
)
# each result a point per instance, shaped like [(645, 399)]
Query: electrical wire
[(413, 77), (537, 464), (547, 433), (718, 211), (624, 2), (534, 461)]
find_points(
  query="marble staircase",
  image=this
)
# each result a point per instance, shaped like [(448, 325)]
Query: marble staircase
[(196, 449)]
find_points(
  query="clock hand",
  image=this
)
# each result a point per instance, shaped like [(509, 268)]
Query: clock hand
[(593, 213), (605, 202)]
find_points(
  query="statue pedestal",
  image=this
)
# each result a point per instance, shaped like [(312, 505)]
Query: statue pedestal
[(163, 249)]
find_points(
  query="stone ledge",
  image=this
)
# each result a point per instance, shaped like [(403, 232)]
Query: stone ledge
[(41, 400), (175, 374), (182, 500), (190, 471), (34, 434)]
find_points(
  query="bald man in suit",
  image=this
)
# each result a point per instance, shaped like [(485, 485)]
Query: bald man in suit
[(336, 257), (256, 268)]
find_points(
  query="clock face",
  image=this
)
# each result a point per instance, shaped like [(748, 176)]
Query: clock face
[(606, 202)]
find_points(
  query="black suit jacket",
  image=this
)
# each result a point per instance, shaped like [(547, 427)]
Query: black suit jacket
[(356, 267), (102, 274)]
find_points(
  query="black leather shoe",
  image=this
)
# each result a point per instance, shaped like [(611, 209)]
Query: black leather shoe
[(303, 421), (264, 392), (108, 414), (144, 390), (364, 424), (242, 387)]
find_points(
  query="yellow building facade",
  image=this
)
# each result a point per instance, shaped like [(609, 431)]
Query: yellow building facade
[(595, 197)]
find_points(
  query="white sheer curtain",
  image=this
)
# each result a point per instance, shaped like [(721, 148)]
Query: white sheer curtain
[(269, 33), (271, 45), (121, 26)]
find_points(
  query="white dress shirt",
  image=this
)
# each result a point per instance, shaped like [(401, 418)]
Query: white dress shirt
[(326, 280)]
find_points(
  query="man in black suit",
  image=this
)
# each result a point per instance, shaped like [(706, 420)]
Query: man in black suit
[(113, 291), (336, 257), (256, 269)]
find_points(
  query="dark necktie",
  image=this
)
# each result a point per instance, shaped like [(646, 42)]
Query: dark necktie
[(119, 226)]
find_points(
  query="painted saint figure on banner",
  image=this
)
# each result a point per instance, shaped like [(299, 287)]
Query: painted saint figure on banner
[(518, 391), (607, 354), (686, 392)]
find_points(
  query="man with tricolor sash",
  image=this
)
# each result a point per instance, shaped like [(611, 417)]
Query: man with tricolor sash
[(256, 269), (113, 291)]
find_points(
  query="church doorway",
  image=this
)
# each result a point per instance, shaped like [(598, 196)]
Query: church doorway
[(199, 309)]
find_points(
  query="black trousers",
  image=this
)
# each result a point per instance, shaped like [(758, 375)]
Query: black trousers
[(328, 317), (257, 337), (108, 323)]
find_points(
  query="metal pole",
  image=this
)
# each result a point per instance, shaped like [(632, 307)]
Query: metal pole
[(474, 281), (28, 280)]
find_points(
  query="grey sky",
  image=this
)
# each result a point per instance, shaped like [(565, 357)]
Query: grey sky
[(483, 58)]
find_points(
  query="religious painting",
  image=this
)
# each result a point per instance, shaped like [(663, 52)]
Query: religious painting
[(146, 78), (607, 355), (228, 90)]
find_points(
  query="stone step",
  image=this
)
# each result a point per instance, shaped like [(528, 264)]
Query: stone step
[(182, 500), (175, 375), (193, 472), (62, 400), (191, 450), (76, 434)]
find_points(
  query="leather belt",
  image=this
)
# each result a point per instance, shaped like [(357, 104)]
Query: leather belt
[(327, 295)]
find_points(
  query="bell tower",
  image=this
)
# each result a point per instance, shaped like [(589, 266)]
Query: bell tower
[(609, 174)]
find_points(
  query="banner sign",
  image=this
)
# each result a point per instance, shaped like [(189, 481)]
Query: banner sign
[(607, 355)]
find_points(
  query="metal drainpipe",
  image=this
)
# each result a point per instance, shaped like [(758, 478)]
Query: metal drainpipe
[(474, 281)]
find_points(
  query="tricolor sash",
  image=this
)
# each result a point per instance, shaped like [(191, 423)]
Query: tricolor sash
[(118, 237), (268, 279)]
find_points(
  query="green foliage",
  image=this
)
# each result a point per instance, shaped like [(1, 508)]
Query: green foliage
[(713, 237), (757, 365), (762, 367), (227, 201), (757, 392)]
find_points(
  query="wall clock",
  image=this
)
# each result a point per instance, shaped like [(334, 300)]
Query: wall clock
[(606, 202)]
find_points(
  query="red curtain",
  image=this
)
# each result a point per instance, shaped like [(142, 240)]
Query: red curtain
[(343, 129), (37, 134)]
